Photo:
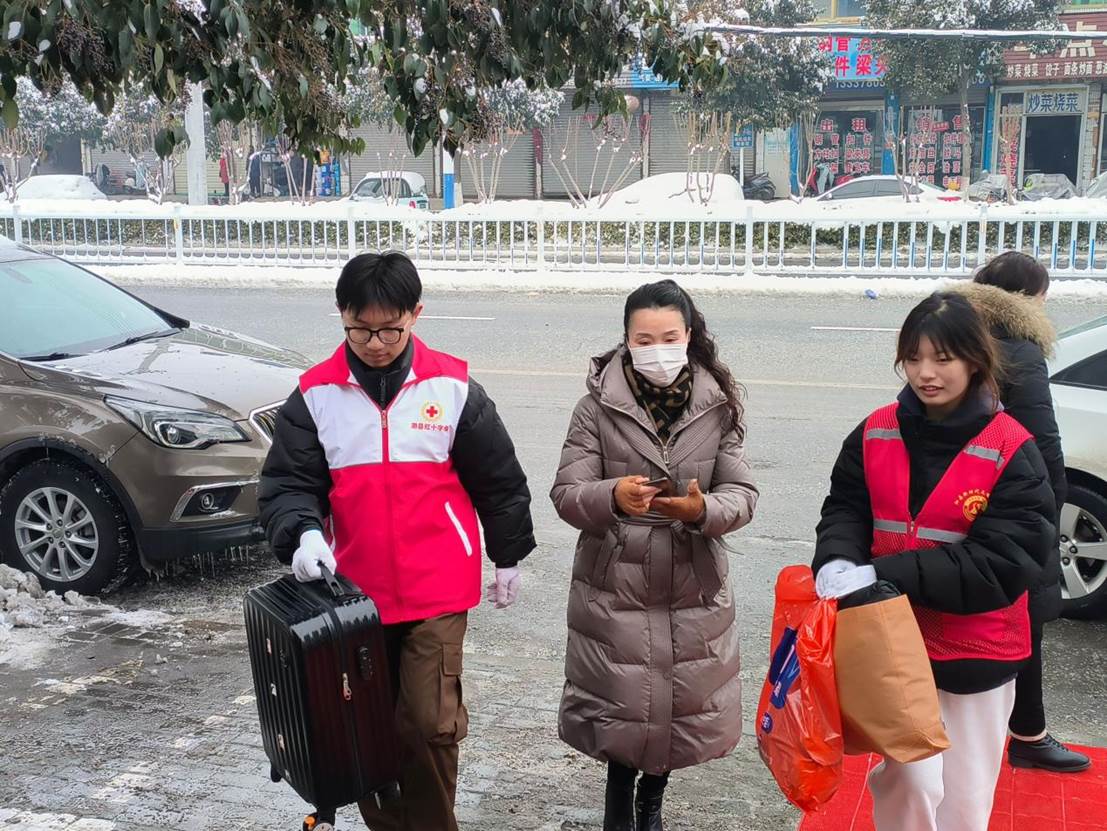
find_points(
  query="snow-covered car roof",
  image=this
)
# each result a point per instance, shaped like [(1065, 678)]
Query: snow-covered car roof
[(60, 186), (415, 181)]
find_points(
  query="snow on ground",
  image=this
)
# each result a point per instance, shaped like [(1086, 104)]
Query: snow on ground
[(244, 276), (30, 617), (62, 187), (676, 194), (658, 198)]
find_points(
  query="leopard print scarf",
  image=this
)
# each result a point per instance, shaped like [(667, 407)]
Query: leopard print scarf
[(663, 404)]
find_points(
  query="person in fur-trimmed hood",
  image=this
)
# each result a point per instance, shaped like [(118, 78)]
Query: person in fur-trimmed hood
[(1009, 294)]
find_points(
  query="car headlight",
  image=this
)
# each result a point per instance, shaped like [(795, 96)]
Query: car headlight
[(177, 428)]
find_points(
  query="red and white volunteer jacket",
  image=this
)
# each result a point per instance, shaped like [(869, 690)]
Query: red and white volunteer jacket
[(398, 488)]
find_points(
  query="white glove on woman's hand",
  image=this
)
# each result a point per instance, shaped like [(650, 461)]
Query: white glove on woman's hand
[(840, 577), (504, 590), (313, 550)]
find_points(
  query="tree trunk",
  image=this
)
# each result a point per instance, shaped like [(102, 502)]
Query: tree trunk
[(966, 135)]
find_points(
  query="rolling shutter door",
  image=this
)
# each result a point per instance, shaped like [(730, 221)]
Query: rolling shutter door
[(516, 179), (668, 139), (572, 135), (385, 148)]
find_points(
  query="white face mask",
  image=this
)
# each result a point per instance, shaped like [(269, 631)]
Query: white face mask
[(660, 364)]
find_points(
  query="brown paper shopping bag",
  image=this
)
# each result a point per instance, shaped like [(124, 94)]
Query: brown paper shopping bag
[(885, 684)]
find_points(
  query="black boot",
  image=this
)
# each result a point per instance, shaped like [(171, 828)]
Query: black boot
[(1046, 754), (618, 808), (647, 804)]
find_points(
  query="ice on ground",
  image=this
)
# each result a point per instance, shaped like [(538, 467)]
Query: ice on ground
[(31, 618)]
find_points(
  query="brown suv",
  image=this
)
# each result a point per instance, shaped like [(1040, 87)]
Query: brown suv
[(128, 436)]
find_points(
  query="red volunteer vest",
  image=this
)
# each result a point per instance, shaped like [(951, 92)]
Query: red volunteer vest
[(404, 528), (947, 516)]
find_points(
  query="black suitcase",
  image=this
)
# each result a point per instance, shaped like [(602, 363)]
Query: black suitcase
[(323, 690)]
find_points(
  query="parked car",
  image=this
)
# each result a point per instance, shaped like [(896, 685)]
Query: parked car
[(376, 187), (59, 186), (1078, 382), (129, 436), (886, 188)]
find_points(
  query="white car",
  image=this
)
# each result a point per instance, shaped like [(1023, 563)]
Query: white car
[(1078, 383), (885, 188), (410, 190)]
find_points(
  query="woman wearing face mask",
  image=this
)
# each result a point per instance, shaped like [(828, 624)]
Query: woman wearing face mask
[(1009, 293), (945, 496), (653, 473)]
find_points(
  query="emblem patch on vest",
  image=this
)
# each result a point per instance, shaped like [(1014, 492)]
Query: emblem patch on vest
[(432, 411), (973, 503)]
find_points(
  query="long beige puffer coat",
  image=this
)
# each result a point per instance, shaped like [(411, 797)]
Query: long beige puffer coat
[(652, 663)]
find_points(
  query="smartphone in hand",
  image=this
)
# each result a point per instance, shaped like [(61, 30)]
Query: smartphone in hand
[(665, 485)]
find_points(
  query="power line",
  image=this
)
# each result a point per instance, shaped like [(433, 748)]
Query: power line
[(903, 34)]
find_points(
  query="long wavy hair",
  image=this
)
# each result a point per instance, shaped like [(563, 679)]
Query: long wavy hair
[(702, 350)]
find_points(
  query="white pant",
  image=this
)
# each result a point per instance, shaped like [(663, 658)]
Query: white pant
[(952, 791)]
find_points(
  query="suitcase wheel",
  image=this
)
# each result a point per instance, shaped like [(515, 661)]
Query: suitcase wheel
[(319, 821), (274, 774)]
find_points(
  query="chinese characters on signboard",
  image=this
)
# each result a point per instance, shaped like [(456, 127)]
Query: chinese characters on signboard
[(934, 154), (1078, 59), (853, 59), (848, 143), (934, 148), (1047, 103)]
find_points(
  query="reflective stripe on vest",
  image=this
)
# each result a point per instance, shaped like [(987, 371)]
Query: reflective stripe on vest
[(946, 518)]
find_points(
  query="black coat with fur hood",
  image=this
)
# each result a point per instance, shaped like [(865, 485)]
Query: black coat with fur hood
[(1027, 337)]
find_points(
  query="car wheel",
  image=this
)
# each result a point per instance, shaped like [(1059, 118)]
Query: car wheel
[(1083, 528), (59, 521)]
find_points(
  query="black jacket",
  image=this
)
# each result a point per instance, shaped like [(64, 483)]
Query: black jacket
[(1026, 337), (295, 480), (1000, 559)]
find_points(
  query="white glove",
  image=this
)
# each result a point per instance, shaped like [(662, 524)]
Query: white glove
[(841, 577), (504, 590), (313, 550)]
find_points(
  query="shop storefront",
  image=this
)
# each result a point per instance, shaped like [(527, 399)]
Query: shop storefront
[(1049, 108), (933, 142), (848, 136)]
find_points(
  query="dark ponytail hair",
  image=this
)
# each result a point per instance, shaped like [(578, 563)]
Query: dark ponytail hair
[(952, 324), (1015, 272), (666, 294)]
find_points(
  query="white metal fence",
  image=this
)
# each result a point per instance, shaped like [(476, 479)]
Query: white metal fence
[(764, 239)]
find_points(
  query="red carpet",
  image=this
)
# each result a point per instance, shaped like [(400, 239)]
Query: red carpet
[(1026, 800)]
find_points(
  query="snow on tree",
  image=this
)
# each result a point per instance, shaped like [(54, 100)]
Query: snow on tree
[(137, 126), (507, 113), (61, 113), (767, 82), (921, 71), (278, 64), (435, 56), (17, 145)]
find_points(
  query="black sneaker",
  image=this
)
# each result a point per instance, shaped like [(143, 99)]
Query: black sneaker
[(1046, 754)]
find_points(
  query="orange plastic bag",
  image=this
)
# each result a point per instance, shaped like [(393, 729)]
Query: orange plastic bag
[(799, 725)]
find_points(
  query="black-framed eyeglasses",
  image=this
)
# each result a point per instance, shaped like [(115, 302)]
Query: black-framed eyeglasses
[(361, 335)]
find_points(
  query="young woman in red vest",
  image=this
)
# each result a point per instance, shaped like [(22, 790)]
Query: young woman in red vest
[(945, 496)]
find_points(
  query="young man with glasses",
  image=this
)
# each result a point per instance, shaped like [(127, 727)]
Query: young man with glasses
[(382, 462)]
